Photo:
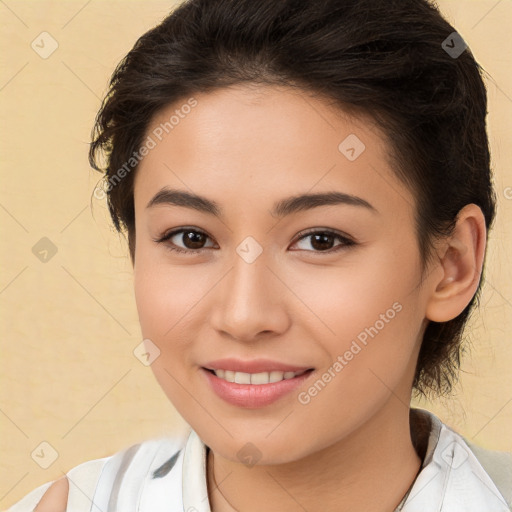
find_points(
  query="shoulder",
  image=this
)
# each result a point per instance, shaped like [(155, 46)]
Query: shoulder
[(54, 496), (77, 489), (55, 499), (498, 465), (493, 468), (459, 473)]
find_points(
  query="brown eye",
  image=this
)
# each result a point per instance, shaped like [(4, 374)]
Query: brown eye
[(323, 241), (192, 240)]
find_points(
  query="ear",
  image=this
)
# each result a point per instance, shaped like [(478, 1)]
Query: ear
[(461, 260)]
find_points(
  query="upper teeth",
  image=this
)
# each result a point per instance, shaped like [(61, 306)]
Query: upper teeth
[(255, 378)]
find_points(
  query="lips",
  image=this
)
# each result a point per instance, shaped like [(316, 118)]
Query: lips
[(253, 384)]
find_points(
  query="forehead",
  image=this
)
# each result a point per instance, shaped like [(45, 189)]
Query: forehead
[(252, 143)]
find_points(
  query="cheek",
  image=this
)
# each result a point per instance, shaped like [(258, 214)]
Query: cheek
[(169, 301), (163, 298), (367, 317), (165, 295), (363, 293)]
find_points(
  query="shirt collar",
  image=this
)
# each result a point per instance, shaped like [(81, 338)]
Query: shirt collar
[(195, 490), (451, 478)]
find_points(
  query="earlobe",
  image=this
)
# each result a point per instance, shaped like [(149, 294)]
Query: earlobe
[(461, 262)]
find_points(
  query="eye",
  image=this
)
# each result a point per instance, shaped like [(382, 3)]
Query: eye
[(193, 240), (322, 241)]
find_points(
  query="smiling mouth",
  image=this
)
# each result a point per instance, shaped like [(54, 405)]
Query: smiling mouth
[(256, 378)]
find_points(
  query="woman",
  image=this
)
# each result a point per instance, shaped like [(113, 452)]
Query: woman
[(330, 160)]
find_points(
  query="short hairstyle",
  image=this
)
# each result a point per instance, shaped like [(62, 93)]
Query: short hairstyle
[(388, 59)]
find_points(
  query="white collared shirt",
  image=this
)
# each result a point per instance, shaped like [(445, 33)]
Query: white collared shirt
[(169, 475)]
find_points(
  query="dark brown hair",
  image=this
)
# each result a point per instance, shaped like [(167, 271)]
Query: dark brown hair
[(398, 61)]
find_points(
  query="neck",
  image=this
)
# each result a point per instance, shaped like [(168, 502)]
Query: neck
[(372, 469)]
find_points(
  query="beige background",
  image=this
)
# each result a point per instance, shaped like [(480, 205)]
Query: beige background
[(69, 376)]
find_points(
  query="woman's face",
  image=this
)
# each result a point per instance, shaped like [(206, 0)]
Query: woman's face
[(328, 286)]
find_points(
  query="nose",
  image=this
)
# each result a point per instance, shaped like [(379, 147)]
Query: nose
[(250, 302)]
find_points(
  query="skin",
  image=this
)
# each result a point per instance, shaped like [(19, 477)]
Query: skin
[(55, 499), (246, 147)]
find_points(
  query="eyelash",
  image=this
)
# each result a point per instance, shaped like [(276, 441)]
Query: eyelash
[(346, 241)]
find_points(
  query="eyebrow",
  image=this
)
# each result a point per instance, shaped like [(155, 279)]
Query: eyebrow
[(281, 208)]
